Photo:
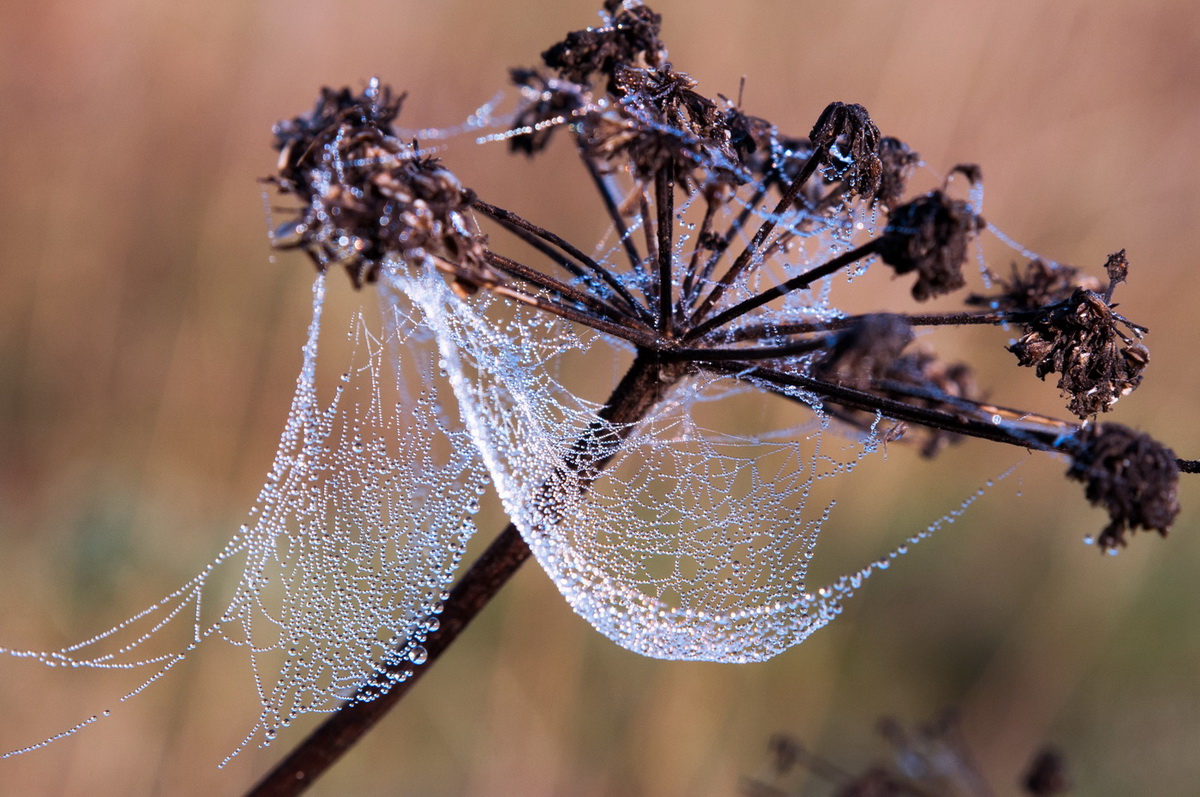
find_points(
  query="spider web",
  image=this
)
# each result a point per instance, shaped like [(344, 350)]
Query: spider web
[(694, 541), (347, 554), (688, 536)]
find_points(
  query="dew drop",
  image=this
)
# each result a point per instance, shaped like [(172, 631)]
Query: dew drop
[(418, 655)]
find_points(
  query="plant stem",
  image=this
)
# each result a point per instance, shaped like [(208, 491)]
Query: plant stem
[(642, 386), (768, 226), (610, 205), (664, 203), (530, 232), (795, 283), (335, 736)]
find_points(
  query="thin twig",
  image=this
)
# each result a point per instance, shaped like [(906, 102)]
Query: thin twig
[(795, 283), (768, 226), (610, 205), (644, 384), (664, 204), (515, 222)]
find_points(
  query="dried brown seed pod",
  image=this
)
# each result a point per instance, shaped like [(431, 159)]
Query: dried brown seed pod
[(849, 127), (929, 235), (1080, 339), (1131, 475)]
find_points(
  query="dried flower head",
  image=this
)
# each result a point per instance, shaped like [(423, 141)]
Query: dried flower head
[(926, 380), (897, 162), (930, 235), (847, 132), (548, 103), (1035, 286), (1080, 339), (1131, 475), (365, 194), (660, 120), (861, 354), (1047, 774), (630, 38)]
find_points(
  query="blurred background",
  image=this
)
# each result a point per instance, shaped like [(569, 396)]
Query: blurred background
[(149, 343)]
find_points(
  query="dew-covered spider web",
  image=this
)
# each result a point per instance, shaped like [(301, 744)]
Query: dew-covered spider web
[(348, 551), (684, 533)]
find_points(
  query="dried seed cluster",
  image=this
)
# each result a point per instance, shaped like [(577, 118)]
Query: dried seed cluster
[(1080, 339), (1132, 476), (366, 196), (930, 236)]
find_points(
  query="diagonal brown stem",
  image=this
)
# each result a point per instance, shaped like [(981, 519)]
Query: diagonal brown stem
[(639, 390)]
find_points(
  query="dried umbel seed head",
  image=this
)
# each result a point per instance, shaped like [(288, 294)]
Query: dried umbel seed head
[(1117, 268), (930, 235), (748, 134), (547, 103), (631, 39), (897, 162), (1132, 476), (297, 139), (366, 195), (849, 128), (1047, 775), (871, 356), (1035, 286), (861, 354), (922, 379), (1080, 339), (665, 122)]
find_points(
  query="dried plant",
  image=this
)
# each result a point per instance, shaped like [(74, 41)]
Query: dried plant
[(727, 237), (930, 760)]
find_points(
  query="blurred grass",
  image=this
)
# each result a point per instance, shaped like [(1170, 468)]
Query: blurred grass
[(149, 343)]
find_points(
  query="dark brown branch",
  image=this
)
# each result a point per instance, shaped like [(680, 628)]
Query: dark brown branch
[(650, 285), (959, 417), (795, 283), (623, 329), (519, 225), (664, 204), (789, 349), (759, 331), (643, 386), (562, 290), (692, 279), (614, 212), (768, 226), (735, 227), (336, 735)]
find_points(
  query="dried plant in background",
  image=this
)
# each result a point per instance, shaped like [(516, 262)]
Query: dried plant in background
[(930, 760), (716, 286)]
